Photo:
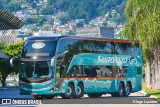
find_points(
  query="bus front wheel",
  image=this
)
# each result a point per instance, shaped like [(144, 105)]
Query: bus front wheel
[(78, 93), (69, 92)]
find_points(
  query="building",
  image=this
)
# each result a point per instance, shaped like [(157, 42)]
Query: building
[(96, 31)]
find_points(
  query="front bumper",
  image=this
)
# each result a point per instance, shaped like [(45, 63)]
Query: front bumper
[(47, 88)]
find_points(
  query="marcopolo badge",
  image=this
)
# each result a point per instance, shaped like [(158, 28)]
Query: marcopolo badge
[(38, 45)]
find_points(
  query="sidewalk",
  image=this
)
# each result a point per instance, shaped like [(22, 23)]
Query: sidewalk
[(144, 93)]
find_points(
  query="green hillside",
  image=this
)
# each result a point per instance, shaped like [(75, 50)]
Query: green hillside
[(76, 9)]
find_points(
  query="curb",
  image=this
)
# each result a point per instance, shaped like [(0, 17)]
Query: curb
[(144, 93)]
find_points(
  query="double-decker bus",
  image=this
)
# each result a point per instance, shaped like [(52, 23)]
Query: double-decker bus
[(71, 66)]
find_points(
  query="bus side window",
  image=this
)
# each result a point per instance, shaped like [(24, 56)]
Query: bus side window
[(93, 71), (125, 71), (108, 72), (114, 68), (121, 71), (76, 71), (87, 72)]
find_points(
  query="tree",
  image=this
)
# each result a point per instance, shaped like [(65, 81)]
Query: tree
[(2, 45), (77, 9), (5, 67), (63, 16), (5, 70), (143, 24), (13, 49)]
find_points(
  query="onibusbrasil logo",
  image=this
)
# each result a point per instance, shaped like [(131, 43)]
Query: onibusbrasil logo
[(15, 101)]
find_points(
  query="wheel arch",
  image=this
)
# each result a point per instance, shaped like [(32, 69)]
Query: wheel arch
[(122, 82), (80, 82), (72, 83)]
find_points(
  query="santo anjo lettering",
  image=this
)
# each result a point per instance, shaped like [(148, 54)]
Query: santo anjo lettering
[(104, 59)]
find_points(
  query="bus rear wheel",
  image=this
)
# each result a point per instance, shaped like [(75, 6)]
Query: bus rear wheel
[(121, 91), (69, 92), (78, 93), (127, 90), (94, 95)]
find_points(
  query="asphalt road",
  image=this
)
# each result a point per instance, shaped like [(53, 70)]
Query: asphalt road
[(134, 98), (14, 93)]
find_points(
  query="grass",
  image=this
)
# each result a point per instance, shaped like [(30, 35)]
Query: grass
[(151, 91)]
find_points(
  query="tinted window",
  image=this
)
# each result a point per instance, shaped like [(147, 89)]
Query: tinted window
[(42, 49), (35, 71), (97, 71), (135, 49), (89, 46), (76, 71), (122, 48), (75, 47), (84, 46)]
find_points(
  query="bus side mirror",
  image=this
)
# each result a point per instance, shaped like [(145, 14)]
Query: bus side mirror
[(14, 59)]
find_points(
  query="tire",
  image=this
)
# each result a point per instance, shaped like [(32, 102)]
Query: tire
[(127, 90), (94, 95), (69, 93), (38, 97), (49, 96), (80, 92), (121, 90)]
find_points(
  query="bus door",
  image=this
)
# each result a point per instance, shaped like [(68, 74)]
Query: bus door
[(61, 69), (59, 75)]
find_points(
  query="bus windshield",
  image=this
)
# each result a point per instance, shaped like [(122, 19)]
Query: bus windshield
[(35, 70), (39, 49)]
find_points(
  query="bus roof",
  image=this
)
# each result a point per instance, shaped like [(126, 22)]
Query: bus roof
[(45, 37), (80, 38)]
